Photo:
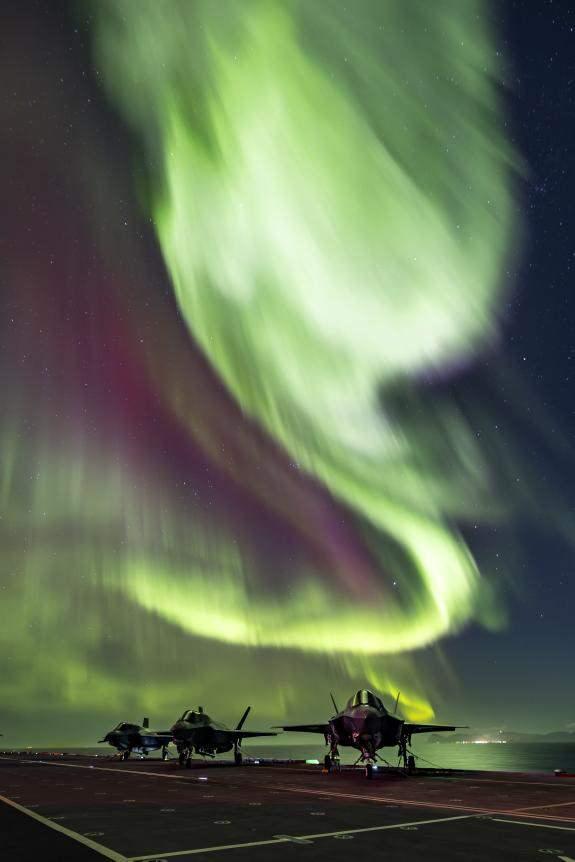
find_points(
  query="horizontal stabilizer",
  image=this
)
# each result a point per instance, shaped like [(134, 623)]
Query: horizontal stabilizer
[(432, 728), (306, 728)]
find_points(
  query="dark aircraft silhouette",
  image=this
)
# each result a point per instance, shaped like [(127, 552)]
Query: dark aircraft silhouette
[(134, 737), (195, 731), (365, 724)]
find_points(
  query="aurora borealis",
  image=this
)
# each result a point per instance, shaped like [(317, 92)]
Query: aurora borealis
[(294, 268), (259, 255)]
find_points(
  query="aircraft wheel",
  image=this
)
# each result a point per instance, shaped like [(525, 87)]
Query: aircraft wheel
[(411, 764), (238, 758), (369, 770), (182, 758), (327, 762), (164, 754), (189, 763), (126, 755)]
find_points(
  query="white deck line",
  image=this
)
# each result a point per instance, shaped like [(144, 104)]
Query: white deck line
[(539, 825), (69, 833), (287, 839), (116, 770)]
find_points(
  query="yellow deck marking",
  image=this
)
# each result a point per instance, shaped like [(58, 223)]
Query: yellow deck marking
[(551, 805), (418, 803)]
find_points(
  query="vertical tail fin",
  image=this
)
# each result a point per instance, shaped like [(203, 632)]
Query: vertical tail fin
[(396, 703), (243, 718), (146, 723)]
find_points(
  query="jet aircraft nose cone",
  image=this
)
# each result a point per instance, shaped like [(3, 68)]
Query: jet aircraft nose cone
[(360, 722)]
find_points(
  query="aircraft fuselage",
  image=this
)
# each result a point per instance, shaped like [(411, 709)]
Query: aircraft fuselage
[(365, 728), (203, 739), (137, 742)]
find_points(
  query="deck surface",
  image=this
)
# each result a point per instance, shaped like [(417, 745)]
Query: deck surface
[(83, 808)]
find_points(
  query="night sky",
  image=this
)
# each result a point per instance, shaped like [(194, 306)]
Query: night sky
[(286, 362)]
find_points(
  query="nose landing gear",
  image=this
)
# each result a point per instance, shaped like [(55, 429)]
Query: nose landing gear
[(368, 759), (185, 757)]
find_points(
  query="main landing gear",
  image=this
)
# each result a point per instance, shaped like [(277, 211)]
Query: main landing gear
[(331, 762), (408, 759), (238, 759), (165, 755)]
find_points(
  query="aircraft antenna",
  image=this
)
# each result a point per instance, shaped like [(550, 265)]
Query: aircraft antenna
[(333, 701)]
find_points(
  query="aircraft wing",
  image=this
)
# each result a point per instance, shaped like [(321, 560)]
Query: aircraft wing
[(246, 734), (306, 728), (431, 728)]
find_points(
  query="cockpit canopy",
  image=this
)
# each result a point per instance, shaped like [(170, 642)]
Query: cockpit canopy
[(125, 727), (195, 716), (364, 697)]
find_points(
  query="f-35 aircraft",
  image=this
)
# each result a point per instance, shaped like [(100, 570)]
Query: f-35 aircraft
[(139, 738), (195, 731), (365, 724)]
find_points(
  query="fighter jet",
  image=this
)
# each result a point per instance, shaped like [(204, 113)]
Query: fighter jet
[(195, 731), (139, 738), (365, 724)]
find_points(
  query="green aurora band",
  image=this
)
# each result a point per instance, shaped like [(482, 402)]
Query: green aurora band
[(333, 196), (334, 206)]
